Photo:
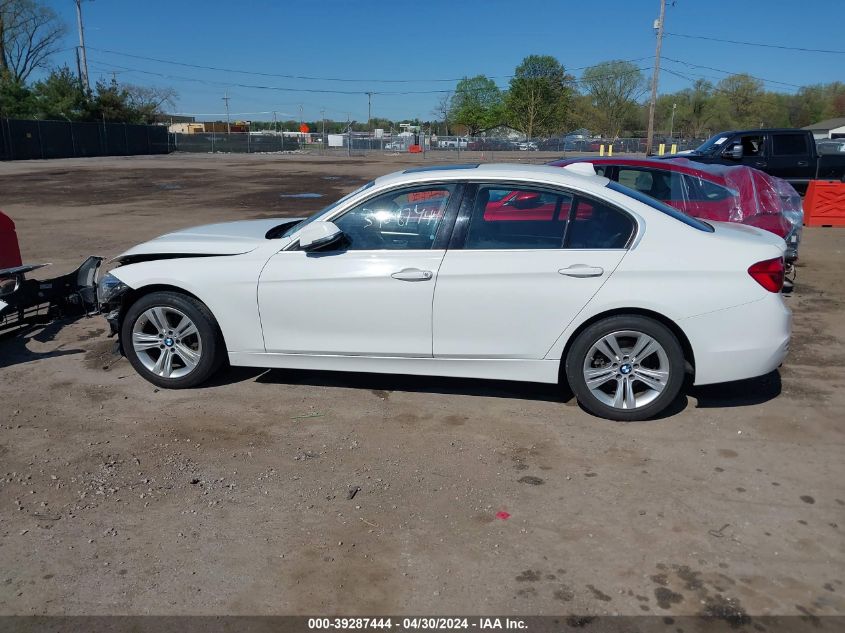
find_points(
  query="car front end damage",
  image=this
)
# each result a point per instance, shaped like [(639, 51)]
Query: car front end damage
[(27, 301), (111, 292), (24, 301)]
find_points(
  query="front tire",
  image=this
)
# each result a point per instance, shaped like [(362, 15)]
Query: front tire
[(172, 340), (625, 368)]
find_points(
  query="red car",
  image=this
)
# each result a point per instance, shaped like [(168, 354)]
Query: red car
[(711, 192)]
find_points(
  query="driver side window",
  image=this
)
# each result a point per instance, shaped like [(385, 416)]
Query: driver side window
[(405, 219)]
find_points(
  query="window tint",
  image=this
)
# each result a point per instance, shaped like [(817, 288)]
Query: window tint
[(700, 189), (597, 225), (657, 183), (405, 219), (789, 145), (505, 217)]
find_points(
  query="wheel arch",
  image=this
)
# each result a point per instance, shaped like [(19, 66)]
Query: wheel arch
[(132, 295), (686, 346)]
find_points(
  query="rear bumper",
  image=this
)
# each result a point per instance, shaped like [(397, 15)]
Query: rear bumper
[(741, 342)]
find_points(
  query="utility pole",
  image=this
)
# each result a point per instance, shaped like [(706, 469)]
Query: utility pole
[(369, 113), (275, 123), (323, 118), (81, 59), (672, 121), (654, 77), (349, 133), (226, 99)]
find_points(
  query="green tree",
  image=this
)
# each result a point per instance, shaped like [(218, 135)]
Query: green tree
[(477, 104), (614, 88), (539, 97), (60, 96), (742, 95), (816, 103), (110, 104), (16, 100)]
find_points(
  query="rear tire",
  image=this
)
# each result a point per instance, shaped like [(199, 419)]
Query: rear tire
[(172, 340), (626, 368)]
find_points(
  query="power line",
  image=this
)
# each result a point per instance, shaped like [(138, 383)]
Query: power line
[(760, 44), (278, 75), (324, 90), (312, 78), (730, 72)]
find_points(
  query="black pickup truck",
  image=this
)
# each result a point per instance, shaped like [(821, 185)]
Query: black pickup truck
[(786, 153)]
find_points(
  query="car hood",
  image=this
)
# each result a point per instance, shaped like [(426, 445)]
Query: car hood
[(225, 238)]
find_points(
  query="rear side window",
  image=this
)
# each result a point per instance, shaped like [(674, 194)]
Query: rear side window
[(657, 183), (704, 190), (660, 206), (789, 145), (595, 225), (511, 218)]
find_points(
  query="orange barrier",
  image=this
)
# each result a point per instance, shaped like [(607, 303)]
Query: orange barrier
[(415, 149), (824, 204)]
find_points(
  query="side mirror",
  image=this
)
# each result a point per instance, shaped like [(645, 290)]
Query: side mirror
[(735, 151), (319, 235)]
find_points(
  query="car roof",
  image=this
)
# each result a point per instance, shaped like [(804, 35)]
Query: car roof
[(763, 130), (714, 173), (495, 171)]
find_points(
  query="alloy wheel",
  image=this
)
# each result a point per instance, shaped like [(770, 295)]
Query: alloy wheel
[(167, 342), (626, 369)]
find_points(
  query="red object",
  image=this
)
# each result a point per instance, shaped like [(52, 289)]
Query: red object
[(768, 273), (415, 149), (304, 128), (743, 195), (503, 515), (10, 254), (824, 204)]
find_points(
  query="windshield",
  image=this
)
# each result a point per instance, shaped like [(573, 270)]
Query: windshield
[(711, 143), (294, 228)]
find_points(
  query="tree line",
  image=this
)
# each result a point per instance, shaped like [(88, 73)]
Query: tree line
[(543, 100)]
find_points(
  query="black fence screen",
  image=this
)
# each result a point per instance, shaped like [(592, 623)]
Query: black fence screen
[(22, 140)]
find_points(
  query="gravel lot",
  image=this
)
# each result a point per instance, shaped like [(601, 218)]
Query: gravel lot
[(116, 497)]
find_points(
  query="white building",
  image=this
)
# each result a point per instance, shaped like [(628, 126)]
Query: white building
[(829, 128)]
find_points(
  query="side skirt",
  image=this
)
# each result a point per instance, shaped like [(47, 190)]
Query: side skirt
[(545, 371)]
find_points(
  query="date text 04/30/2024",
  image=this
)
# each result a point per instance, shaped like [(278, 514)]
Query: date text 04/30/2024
[(420, 623)]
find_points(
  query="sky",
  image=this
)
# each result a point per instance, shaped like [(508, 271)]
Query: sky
[(401, 46)]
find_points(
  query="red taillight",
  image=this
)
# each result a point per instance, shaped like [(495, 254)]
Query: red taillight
[(768, 273)]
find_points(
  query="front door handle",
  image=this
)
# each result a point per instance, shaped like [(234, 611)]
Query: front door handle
[(582, 270), (802, 163), (760, 163), (413, 274)]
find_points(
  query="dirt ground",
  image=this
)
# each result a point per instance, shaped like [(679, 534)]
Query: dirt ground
[(119, 498)]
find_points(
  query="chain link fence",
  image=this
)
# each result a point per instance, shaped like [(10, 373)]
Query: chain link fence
[(361, 143)]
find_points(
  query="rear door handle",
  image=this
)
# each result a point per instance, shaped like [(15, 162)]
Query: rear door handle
[(760, 163), (582, 270), (802, 163), (413, 274)]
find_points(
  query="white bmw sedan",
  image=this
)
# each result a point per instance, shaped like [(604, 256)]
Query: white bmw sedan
[(511, 272)]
